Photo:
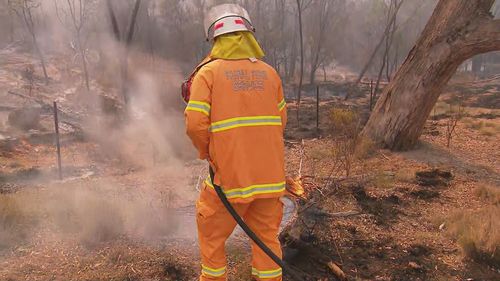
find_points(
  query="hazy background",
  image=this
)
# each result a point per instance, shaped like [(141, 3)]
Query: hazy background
[(125, 94), (337, 33)]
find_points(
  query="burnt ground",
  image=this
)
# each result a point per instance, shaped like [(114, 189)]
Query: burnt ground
[(403, 199), (117, 217)]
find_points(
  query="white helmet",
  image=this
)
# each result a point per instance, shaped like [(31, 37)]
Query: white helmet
[(226, 18)]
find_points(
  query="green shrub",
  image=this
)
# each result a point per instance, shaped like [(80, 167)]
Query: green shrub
[(345, 122)]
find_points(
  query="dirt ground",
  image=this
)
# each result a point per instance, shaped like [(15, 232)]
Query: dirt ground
[(401, 231), (114, 220)]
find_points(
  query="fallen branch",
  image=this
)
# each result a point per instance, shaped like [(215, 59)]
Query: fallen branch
[(381, 83), (345, 214), (336, 270), (301, 158), (385, 156)]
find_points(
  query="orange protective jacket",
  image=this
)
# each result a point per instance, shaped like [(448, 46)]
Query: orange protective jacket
[(236, 118)]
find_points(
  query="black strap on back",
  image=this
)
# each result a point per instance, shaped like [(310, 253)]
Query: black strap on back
[(200, 66)]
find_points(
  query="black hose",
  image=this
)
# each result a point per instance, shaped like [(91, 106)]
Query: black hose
[(247, 229)]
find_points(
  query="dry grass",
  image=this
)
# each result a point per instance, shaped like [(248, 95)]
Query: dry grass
[(345, 125), (485, 128), (488, 131), (440, 108), (99, 221), (365, 148), (491, 125), (488, 193), (383, 180), (345, 122), (405, 175), (15, 223), (474, 123), (241, 269), (320, 153), (478, 233), (468, 122)]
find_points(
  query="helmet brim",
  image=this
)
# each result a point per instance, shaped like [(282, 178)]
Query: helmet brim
[(222, 11)]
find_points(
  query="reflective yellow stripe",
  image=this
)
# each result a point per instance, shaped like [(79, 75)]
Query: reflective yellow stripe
[(264, 274), (252, 190), (281, 105), (245, 122), (216, 272), (199, 106)]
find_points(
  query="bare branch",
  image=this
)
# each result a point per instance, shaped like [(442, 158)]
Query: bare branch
[(133, 19), (485, 38), (379, 44), (114, 22)]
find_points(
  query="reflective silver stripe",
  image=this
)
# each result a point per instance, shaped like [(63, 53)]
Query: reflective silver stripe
[(263, 274), (216, 272), (199, 106), (281, 105), (251, 190), (245, 122)]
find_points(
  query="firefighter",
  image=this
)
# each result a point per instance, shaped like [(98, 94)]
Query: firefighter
[(235, 117)]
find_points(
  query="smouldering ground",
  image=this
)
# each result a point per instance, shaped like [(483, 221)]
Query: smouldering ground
[(397, 235), (405, 230), (115, 219)]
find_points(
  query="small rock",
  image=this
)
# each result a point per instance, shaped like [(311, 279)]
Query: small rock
[(441, 227), (414, 265)]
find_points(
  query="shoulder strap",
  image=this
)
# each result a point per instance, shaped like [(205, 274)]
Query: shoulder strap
[(203, 64), (200, 66)]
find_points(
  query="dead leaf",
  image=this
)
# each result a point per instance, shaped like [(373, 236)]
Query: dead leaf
[(294, 186), (336, 270)]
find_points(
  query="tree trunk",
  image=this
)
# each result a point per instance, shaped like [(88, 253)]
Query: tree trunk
[(456, 31), (324, 16), (395, 59), (293, 58), (299, 88), (379, 76), (314, 65), (388, 47), (84, 62), (477, 65), (388, 43), (377, 47), (41, 57), (28, 20), (11, 25), (130, 36), (112, 19)]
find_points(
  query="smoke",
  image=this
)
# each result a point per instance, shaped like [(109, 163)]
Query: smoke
[(140, 157), (140, 179), (151, 128), (91, 212)]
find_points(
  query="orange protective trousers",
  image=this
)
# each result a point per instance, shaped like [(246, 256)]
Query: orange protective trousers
[(215, 225)]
